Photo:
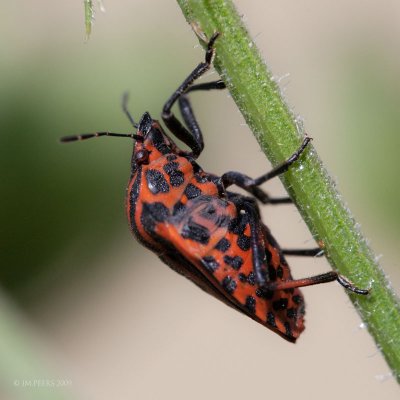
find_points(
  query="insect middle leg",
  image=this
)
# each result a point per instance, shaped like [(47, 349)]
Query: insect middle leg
[(251, 185), (314, 252)]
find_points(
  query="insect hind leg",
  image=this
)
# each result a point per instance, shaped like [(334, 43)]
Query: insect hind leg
[(250, 208), (315, 280)]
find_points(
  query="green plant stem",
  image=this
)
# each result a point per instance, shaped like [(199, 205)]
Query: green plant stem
[(259, 99)]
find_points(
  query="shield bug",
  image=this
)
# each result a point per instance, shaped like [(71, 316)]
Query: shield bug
[(202, 230)]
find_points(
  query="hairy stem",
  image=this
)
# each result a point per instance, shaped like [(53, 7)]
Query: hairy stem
[(259, 99)]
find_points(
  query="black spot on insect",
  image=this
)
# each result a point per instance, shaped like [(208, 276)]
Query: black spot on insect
[(196, 232), (238, 225), (145, 124), (243, 242), (233, 225), (210, 263), (192, 191), (279, 272), (250, 304), (297, 299), (242, 277), (179, 208), (153, 213), (171, 157), (200, 178), (171, 166), (157, 210), (159, 142), (264, 293), (251, 278), (196, 167), (271, 319), (271, 273), (288, 329), (215, 179), (280, 304), (235, 262), (291, 313), (176, 177), (223, 245), (156, 181), (229, 284)]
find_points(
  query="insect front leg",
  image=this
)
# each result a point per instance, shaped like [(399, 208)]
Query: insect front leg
[(192, 137), (188, 116)]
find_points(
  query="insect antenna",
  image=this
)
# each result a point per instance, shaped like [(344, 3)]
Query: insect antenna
[(84, 136), (125, 98)]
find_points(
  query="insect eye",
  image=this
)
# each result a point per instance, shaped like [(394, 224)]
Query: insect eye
[(142, 156)]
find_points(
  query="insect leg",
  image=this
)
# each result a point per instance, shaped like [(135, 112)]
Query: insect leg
[(315, 280), (219, 84), (249, 206), (250, 184), (84, 136), (195, 139), (315, 252), (186, 110)]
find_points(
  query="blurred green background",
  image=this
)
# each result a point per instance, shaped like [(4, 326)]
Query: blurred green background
[(71, 275), (65, 201)]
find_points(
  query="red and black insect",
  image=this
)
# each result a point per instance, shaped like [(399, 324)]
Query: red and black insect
[(199, 228)]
